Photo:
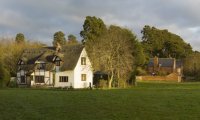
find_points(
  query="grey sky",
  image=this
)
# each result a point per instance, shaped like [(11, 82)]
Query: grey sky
[(40, 19)]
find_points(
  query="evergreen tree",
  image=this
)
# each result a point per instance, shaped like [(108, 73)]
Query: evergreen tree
[(92, 28), (4, 75), (162, 43)]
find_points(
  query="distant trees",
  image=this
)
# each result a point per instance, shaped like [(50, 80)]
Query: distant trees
[(163, 43), (4, 74), (20, 38), (139, 54), (72, 39), (191, 66), (141, 59), (59, 37), (10, 53)]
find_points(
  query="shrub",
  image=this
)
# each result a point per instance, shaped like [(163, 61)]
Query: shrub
[(13, 83), (103, 83), (122, 83)]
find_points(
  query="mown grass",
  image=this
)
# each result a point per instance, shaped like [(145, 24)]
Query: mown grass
[(147, 101)]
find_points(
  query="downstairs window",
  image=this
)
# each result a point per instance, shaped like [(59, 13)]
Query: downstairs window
[(23, 79), (63, 79), (39, 79)]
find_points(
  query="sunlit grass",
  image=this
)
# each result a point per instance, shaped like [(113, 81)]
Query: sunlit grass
[(147, 101)]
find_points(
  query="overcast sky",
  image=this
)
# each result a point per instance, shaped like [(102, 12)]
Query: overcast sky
[(40, 19)]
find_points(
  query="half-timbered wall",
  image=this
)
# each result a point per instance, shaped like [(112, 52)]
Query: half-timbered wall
[(47, 77), (20, 74)]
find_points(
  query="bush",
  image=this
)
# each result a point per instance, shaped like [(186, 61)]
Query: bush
[(103, 84), (4, 76), (122, 83), (13, 83)]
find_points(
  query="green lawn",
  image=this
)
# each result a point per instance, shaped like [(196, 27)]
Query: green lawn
[(147, 101)]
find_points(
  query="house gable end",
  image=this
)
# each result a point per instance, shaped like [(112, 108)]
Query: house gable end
[(83, 55)]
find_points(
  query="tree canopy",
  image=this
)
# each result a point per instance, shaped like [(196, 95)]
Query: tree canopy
[(59, 37), (191, 66), (163, 43), (72, 39), (20, 38), (92, 28), (10, 53)]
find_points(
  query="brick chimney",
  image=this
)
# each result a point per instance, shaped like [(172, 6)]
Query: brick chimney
[(155, 63), (174, 65), (58, 47)]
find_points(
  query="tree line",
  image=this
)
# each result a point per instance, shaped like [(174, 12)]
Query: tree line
[(10, 52), (112, 49)]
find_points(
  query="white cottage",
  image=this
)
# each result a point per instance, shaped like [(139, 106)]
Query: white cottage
[(50, 66)]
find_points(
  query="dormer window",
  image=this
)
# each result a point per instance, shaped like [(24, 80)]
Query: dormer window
[(40, 64), (83, 60), (20, 62), (57, 61)]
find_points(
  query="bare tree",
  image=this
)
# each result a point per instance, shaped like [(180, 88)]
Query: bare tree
[(113, 53)]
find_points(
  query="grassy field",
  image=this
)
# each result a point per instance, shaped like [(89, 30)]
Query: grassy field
[(147, 101)]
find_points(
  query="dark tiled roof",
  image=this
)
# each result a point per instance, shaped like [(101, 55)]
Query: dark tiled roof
[(71, 56), (179, 63), (150, 64), (165, 62), (28, 67)]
